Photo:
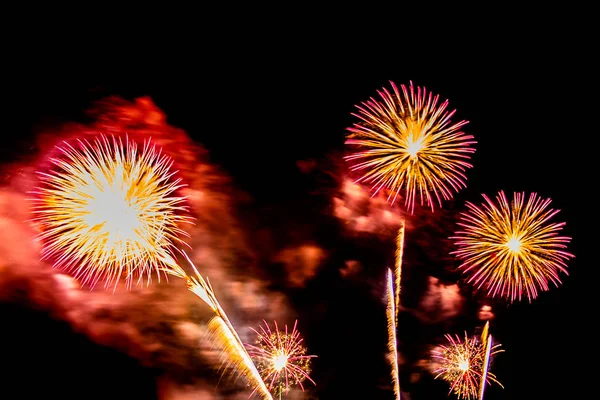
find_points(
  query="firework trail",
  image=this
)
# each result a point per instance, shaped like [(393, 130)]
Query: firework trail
[(109, 210), (463, 363), (511, 249), (486, 339), (398, 268), (281, 358), (407, 143), (392, 344), (232, 356), (223, 330)]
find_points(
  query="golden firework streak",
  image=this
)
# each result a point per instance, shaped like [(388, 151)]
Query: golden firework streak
[(202, 288), (486, 339), (398, 266), (391, 317)]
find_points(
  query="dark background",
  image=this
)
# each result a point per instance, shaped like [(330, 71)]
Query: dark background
[(259, 105)]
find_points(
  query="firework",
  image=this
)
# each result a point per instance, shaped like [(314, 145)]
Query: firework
[(392, 345), (108, 208), (511, 249), (280, 358), (462, 364), (407, 143)]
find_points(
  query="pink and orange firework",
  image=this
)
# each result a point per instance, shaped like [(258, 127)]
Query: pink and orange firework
[(407, 143), (511, 249), (280, 358)]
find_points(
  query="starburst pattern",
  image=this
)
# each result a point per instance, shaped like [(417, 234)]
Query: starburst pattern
[(511, 249), (108, 208), (280, 358), (407, 142), (461, 363)]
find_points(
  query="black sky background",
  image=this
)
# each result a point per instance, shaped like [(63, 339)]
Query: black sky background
[(259, 106)]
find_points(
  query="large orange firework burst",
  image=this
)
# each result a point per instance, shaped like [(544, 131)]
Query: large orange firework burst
[(462, 363), (109, 208), (512, 248), (407, 142), (280, 358)]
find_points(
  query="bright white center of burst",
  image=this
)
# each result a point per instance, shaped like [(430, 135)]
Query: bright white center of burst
[(111, 215), (280, 361), (413, 148), (415, 139), (514, 244), (463, 365)]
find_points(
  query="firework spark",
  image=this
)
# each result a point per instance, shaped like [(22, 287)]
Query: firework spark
[(512, 248), (281, 358), (462, 363), (108, 208), (407, 142)]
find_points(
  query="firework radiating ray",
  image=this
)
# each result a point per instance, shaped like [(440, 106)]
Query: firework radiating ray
[(281, 358), (407, 143), (463, 363), (109, 208), (392, 343), (512, 249)]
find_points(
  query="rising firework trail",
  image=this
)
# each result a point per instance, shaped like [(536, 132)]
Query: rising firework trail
[(511, 249), (222, 329), (398, 268), (486, 339), (392, 342)]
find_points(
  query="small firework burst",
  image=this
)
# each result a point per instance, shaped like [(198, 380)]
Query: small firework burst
[(280, 358), (107, 209), (407, 142), (461, 363), (512, 248)]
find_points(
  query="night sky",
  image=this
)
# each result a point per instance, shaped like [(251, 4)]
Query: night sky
[(273, 119)]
